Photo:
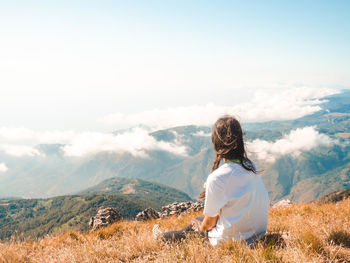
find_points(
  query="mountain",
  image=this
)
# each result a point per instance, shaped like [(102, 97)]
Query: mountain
[(139, 189), (310, 176), (334, 197), (307, 175), (38, 217)]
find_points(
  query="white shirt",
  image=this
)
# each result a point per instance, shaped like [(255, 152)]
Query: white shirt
[(240, 199)]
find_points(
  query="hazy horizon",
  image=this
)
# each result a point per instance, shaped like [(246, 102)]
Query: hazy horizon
[(69, 65), (72, 73)]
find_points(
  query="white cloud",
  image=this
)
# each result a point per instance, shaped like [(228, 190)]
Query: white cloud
[(202, 134), (136, 142), (3, 168), (21, 142), (265, 105), (20, 150), (301, 139), (288, 104)]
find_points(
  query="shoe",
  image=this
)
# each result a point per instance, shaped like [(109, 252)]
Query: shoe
[(157, 232)]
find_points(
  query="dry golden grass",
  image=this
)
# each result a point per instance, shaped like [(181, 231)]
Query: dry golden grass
[(317, 233)]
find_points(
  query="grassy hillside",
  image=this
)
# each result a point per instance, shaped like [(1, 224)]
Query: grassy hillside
[(38, 217), (317, 233)]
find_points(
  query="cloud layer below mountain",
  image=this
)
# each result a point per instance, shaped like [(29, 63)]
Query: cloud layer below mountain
[(283, 105), (294, 143), (137, 142), (264, 106)]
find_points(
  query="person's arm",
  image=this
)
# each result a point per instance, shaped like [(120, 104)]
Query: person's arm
[(208, 223)]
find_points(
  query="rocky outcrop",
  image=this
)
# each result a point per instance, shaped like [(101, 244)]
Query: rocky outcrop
[(180, 208), (283, 202), (105, 216), (147, 214), (169, 210)]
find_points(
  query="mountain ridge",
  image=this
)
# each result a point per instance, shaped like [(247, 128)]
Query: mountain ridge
[(310, 175)]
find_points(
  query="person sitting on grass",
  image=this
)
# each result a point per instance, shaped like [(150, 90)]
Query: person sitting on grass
[(236, 201)]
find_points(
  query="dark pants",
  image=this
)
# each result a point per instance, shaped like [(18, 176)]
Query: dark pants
[(178, 235)]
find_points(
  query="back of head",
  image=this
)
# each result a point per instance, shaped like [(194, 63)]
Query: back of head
[(227, 138)]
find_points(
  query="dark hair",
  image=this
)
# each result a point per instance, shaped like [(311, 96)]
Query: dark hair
[(227, 139)]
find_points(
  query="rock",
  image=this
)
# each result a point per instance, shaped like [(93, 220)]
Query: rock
[(147, 214), (180, 208), (105, 216), (169, 210), (283, 202)]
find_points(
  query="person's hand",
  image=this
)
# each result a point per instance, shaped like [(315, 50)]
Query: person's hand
[(208, 223), (195, 224)]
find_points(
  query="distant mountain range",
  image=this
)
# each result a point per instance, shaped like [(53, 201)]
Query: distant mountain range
[(38, 217), (312, 173)]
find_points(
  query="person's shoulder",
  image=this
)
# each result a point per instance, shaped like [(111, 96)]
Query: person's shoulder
[(220, 173), (236, 172), (249, 168), (225, 168)]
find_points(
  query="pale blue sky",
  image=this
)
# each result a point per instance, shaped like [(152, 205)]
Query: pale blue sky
[(66, 64)]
